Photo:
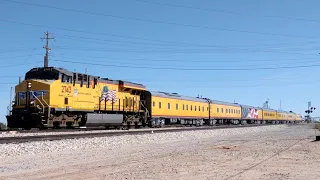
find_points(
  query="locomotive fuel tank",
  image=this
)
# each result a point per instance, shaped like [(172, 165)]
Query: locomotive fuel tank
[(94, 119)]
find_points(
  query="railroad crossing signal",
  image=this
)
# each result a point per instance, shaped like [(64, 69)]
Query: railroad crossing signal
[(309, 110)]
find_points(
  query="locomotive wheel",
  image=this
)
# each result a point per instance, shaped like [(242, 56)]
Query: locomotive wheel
[(56, 125), (27, 128), (42, 127), (69, 125), (83, 120)]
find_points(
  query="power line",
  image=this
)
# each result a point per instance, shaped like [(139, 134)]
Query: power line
[(190, 86), (9, 76), (193, 69), (180, 60), (95, 33), (184, 62), (215, 81), (108, 41), (23, 64), (15, 48), (7, 83), (13, 57), (227, 12), (184, 50), (156, 21), (14, 51), (206, 46), (242, 86)]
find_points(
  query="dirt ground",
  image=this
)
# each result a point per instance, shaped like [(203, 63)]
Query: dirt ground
[(288, 153)]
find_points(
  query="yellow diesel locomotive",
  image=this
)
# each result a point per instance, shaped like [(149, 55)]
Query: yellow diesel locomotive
[(55, 97), (51, 97)]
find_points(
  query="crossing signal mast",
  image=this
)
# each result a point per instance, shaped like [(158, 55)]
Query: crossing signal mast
[(308, 111), (46, 57)]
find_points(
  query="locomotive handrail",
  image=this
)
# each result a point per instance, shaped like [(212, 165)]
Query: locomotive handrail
[(9, 110), (49, 108), (147, 111), (38, 100), (9, 107)]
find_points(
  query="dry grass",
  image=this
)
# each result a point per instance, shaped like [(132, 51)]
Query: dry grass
[(318, 126)]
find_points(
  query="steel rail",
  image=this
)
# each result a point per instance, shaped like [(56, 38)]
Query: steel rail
[(22, 139)]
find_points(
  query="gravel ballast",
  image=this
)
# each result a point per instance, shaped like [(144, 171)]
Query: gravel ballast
[(115, 141), (266, 152), (18, 134)]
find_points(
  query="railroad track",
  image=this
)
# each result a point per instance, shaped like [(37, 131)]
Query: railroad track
[(55, 130), (36, 130), (22, 139)]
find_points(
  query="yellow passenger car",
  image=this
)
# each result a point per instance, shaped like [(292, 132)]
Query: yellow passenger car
[(250, 114), (269, 115), (282, 116), (298, 118), (291, 117), (168, 108), (223, 111)]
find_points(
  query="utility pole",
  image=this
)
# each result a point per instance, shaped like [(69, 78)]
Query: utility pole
[(46, 57), (280, 105)]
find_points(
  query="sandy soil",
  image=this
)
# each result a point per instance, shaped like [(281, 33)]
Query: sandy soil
[(287, 153)]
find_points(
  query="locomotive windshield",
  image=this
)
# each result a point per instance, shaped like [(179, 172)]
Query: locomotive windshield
[(42, 73)]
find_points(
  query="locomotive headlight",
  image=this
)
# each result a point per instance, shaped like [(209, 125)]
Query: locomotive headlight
[(29, 85), (32, 102)]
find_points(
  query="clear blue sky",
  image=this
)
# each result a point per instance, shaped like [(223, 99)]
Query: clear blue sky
[(182, 34)]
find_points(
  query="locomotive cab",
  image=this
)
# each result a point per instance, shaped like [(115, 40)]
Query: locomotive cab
[(31, 105)]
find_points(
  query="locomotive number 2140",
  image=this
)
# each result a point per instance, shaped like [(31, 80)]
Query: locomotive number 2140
[(66, 89)]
